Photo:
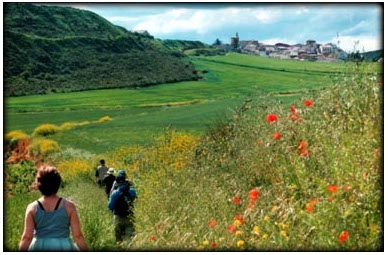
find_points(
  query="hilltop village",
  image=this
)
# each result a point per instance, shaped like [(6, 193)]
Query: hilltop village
[(310, 51)]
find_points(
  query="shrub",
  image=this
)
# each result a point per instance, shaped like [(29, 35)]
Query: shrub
[(16, 135), (68, 125), (105, 118), (19, 177), (84, 123), (43, 146), (46, 130), (12, 138)]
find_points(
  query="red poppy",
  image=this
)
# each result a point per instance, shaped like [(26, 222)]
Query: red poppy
[(308, 103), (330, 199), (239, 218), (236, 200), (212, 223), (343, 236), (293, 108), (214, 245), (304, 152), (302, 145), (294, 117), (332, 188), (253, 195), (309, 208), (314, 201), (152, 238), (277, 136), (271, 118), (231, 228)]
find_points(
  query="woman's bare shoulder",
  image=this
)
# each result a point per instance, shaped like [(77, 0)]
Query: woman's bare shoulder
[(70, 205), (31, 207)]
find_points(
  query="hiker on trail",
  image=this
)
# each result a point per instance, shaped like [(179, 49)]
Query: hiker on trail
[(121, 204), (129, 183), (115, 184), (48, 219), (101, 171), (108, 181)]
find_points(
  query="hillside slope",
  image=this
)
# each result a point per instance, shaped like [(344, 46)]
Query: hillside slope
[(61, 49), (373, 56)]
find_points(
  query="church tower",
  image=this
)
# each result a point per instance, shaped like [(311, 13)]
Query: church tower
[(234, 41)]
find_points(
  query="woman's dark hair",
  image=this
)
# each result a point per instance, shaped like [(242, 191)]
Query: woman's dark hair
[(48, 180), (102, 162)]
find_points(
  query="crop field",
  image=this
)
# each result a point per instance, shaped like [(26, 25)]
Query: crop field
[(138, 114)]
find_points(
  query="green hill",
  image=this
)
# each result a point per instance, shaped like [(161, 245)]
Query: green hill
[(61, 49), (373, 56)]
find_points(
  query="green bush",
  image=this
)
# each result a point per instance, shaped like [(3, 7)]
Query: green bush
[(19, 177)]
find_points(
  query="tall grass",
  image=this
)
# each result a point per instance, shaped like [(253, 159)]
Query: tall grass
[(320, 184)]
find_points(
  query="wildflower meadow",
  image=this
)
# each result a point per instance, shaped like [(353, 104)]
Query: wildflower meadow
[(306, 176)]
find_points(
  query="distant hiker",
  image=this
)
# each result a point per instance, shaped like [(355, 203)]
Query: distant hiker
[(108, 181), (121, 204), (101, 171), (48, 219)]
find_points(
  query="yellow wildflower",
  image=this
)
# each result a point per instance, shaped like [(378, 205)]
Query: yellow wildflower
[(200, 247), (374, 228), (265, 236), (240, 243), (256, 230), (237, 223), (266, 218), (238, 232), (206, 242), (274, 208), (291, 187), (284, 234), (283, 225)]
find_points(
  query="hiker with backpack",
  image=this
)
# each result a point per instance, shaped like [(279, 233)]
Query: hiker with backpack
[(121, 204)]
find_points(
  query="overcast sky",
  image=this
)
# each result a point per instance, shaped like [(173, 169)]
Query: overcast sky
[(289, 23)]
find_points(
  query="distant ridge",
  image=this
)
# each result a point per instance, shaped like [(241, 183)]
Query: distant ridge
[(373, 56), (51, 49)]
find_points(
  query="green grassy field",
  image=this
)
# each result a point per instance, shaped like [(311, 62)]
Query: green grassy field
[(139, 114), (316, 170)]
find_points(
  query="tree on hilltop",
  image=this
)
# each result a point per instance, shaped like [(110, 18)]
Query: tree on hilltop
[(217, 42)]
